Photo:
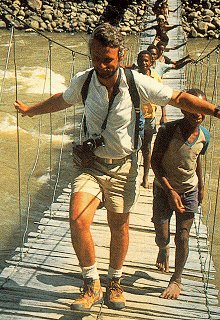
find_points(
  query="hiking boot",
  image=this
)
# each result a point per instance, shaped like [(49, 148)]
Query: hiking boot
[(91, 294), (114, 298)]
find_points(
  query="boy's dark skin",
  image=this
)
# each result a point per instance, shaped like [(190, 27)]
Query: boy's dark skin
[(189, 128)]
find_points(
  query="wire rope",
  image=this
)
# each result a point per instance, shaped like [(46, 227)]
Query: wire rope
[(35, 163), (62, 142), (18, 142)]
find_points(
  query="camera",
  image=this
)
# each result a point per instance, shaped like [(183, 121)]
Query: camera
[(92, 144), (83, 153)]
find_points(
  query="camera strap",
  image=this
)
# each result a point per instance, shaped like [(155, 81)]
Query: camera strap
[(84, 93), (134, 97)]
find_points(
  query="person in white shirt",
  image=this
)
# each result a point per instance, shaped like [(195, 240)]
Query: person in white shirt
[(113, 172)]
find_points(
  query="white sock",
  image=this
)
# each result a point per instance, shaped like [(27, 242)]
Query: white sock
[(90, 272), (113, 273)]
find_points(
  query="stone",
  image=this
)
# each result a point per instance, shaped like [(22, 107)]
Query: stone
[(2, 25), (35, 4), (202, 26), (34, 24)]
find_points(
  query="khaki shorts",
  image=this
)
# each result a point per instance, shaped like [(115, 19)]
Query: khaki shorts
[(117, 185)]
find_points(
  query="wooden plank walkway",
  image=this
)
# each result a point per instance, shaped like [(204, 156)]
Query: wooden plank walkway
[(46, 281)]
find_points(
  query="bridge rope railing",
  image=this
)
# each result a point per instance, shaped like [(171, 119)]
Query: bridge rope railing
[(204, 74)]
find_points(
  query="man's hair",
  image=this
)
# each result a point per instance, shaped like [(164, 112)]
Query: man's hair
[(196, 92), (143, 52), (108, 36)]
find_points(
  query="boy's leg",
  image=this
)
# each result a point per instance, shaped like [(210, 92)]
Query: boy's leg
[(162, 240), (182, 250), (161, 219)]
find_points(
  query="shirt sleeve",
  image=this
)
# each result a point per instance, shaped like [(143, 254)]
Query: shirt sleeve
[(152, 91), (72, 94)]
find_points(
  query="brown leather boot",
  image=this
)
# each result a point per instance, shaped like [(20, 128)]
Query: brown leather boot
[(91, 294), (114, 298)]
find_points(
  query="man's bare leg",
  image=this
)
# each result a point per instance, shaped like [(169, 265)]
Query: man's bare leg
[(182, 250), (119, 227), (82, 209)]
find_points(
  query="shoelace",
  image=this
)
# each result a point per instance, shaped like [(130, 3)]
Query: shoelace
[(87, 289), (115, 286)]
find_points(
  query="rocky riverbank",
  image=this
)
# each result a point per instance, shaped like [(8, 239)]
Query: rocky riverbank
[(200, 18)]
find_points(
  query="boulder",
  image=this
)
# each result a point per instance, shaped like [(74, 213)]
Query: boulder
[(35, 4)]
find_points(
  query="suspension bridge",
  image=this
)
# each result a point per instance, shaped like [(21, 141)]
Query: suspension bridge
[(42, 277)]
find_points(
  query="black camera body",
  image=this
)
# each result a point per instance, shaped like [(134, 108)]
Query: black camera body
[(91, 144), (83, 153)]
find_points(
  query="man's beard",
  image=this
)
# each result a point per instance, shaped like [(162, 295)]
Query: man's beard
[(107, 74)]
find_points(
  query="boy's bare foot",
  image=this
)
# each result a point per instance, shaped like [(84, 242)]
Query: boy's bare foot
[(172, 291), (162, 262)]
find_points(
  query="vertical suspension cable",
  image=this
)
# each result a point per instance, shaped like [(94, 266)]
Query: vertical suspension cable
[(35, 163), (201, 75), (62, 142), (18, 144), (213, 227), (207, 78), (51, 127), (215, 89)]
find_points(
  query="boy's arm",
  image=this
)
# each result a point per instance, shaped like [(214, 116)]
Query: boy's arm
[(168, 27), (200, 180)]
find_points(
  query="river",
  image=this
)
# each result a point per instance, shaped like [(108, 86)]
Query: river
[(28, 173)]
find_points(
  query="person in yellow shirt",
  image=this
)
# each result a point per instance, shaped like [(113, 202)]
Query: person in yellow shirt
[(144, 62)]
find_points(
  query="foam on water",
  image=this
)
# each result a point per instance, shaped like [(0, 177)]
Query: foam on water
[(8, 125), (35, 80)]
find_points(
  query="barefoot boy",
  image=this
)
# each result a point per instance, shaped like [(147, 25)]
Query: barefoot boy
[(178, 187)]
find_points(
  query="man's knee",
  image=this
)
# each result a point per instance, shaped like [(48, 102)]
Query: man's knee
[(118, 221), (82, 207)]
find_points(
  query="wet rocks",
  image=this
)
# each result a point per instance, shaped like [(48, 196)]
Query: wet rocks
[(201, 19)]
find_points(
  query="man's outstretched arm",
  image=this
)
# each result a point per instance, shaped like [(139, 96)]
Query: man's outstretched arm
[(53, 104), (193, 104)]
